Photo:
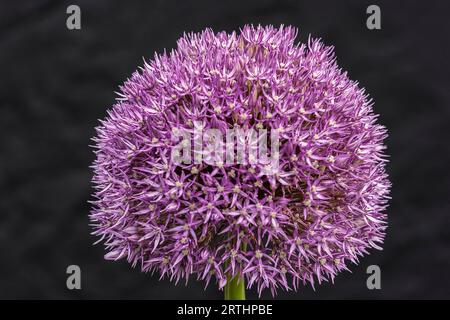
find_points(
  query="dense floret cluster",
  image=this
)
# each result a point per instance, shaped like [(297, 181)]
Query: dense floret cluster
[(322, 209)]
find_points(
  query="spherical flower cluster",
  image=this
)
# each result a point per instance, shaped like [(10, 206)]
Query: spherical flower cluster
[(322, 209)]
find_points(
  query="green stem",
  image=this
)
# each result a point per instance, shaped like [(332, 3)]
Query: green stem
[(235, 288)]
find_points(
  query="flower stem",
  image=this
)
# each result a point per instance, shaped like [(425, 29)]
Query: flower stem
[(235, 288)]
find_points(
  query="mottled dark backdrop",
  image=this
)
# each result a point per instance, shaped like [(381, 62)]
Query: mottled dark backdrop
[(56, 83)]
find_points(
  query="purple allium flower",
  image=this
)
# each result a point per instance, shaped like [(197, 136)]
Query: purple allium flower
[(320, 211)]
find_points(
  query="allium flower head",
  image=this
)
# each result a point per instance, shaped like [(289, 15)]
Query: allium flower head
[(322, 209)]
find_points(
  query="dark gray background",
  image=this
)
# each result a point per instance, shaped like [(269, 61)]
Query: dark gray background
[(56, 83)]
